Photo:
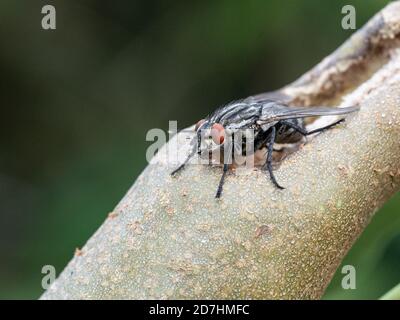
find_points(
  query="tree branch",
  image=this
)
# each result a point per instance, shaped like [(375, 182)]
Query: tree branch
[(169, 237)]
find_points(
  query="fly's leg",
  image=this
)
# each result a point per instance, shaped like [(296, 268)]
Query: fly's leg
[(191, 154), (221, 182), (304, 132), (326, 127), (268, 163), (228, 158)]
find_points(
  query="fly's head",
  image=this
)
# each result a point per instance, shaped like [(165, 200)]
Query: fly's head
[(210, 136)]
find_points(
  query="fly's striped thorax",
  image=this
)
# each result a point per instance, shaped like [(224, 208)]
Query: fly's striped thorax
[(236, 115)]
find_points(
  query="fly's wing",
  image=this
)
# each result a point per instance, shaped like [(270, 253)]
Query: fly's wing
[(273, 112)]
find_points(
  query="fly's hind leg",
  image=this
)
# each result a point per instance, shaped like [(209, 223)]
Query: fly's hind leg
[(304, 132), (268, 162)]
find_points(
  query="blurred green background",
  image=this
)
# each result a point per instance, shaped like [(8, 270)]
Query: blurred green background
[(76, 104)]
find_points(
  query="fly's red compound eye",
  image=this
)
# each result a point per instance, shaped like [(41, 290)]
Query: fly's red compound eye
[(198, 124), (218, 133)]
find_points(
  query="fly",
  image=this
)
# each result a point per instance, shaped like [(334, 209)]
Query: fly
[(272, 121)]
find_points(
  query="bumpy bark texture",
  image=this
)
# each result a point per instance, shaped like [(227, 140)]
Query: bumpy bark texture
[(170, 238)]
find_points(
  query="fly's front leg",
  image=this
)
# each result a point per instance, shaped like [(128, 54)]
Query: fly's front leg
[(304, 132), (221, 182), (268, 163), (190, 155)]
